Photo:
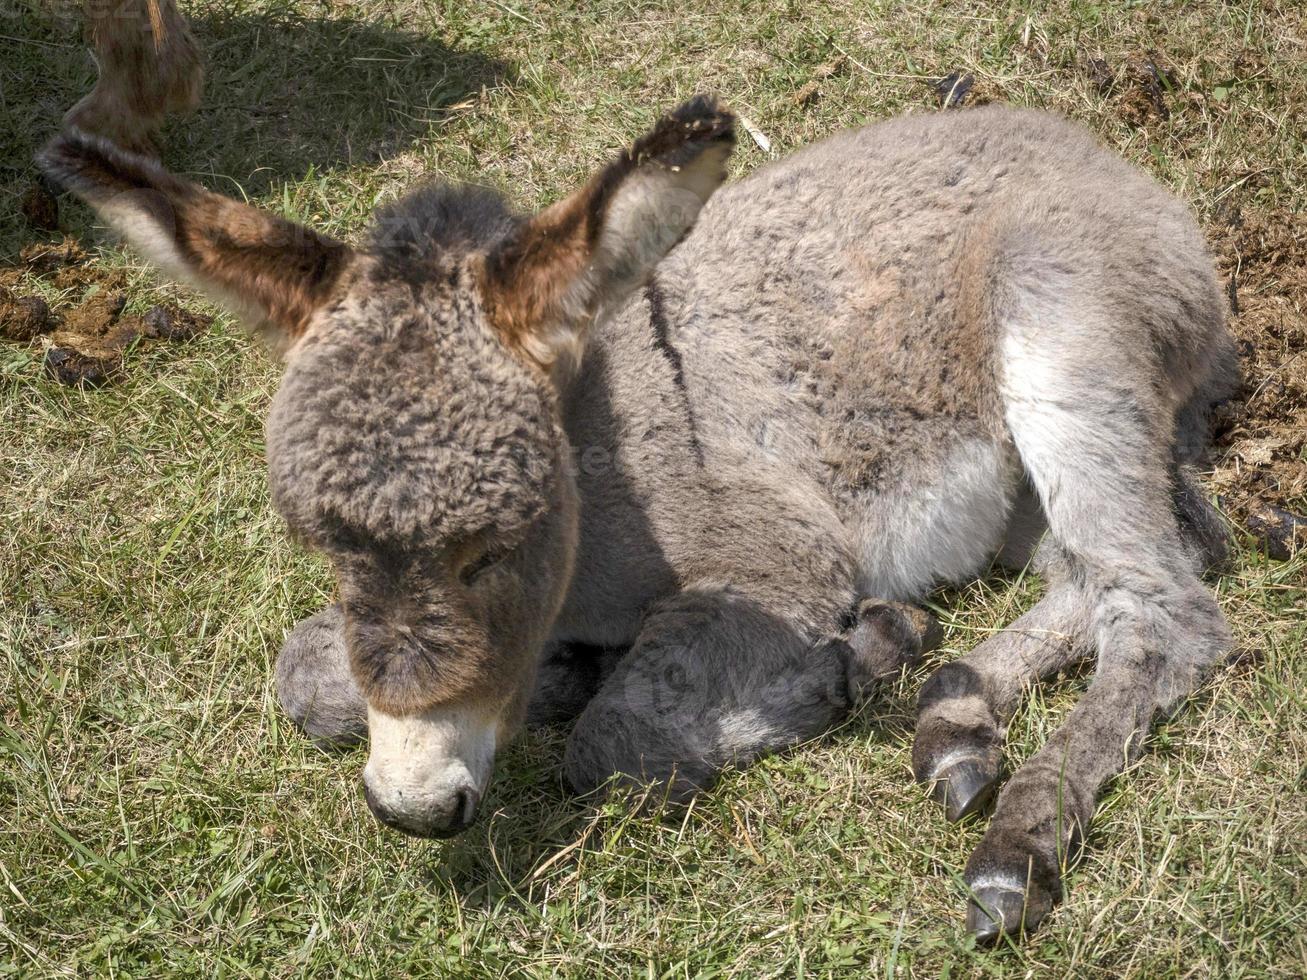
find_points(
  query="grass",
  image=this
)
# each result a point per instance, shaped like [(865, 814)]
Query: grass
[(159, 816)]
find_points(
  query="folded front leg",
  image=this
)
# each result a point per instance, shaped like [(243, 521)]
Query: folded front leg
[(314, 684), (569, 675), (713, 680), (886, 637)]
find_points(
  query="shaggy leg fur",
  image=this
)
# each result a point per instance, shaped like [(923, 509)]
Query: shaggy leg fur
[(715, 680), (712, 680), (149, 67), (314, 684), (1100, 466), (886, 637)]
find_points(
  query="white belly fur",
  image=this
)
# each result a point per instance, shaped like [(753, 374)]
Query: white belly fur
[(947, 530)]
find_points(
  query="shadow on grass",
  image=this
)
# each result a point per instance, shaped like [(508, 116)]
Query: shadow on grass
[(283, 94)]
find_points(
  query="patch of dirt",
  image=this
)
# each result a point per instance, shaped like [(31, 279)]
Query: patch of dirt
[(1261, 473), (88, 334), (1100, 74), (959, 89), (813, 89)]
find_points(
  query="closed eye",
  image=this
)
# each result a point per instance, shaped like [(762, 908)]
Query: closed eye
[(473, 570)]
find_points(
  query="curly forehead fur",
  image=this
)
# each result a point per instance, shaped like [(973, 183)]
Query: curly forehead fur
[(401, 416), (437, 224)]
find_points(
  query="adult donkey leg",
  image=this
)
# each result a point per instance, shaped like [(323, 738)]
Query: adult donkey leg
[(149, 67), (1101, 463)]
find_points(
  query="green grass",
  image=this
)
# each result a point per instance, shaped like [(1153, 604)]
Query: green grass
[(159, 816)]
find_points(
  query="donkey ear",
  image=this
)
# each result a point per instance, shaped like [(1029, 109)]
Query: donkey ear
[(549, 279), (272, 272)]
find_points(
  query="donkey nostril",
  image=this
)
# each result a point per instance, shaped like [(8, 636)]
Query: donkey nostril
[(461, 815), (465, 810)]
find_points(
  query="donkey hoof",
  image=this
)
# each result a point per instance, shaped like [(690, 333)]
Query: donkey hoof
[(964, 787), (998, 910)]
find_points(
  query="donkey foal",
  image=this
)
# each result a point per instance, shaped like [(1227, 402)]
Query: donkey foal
[(865, 370)]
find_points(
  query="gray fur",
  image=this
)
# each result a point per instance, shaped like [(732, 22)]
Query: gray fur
[(869, 369), (314, 684), (317, 692)]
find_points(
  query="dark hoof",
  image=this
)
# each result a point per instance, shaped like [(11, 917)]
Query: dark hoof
[(997, 910), (885, 638), (964, 787)]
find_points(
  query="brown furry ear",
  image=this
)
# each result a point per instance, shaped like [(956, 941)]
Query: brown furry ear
[(551, 277), (272, 272)]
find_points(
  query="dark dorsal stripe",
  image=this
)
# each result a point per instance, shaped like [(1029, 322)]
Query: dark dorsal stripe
[(658, 320)]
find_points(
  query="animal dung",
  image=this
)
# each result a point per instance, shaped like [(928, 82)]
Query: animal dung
[(1279, 532), (44, 257), (39, 207), (23, 318), (952, 89), (69, 366), (88, 340), (170, 323)]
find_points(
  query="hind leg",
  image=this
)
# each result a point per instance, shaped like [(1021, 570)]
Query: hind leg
[(964, 708), (1043, 813), (1100, 462)]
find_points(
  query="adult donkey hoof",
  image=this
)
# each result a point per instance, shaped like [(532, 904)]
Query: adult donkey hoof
[(964, 787), (996, 910)]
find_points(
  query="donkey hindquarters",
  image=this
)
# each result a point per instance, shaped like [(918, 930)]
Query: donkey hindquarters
[(1105, 372), (927, 341)]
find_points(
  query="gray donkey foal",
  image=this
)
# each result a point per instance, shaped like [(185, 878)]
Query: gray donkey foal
[(865, 370)]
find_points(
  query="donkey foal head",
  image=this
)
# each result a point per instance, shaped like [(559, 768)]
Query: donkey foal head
[(416, 439)]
